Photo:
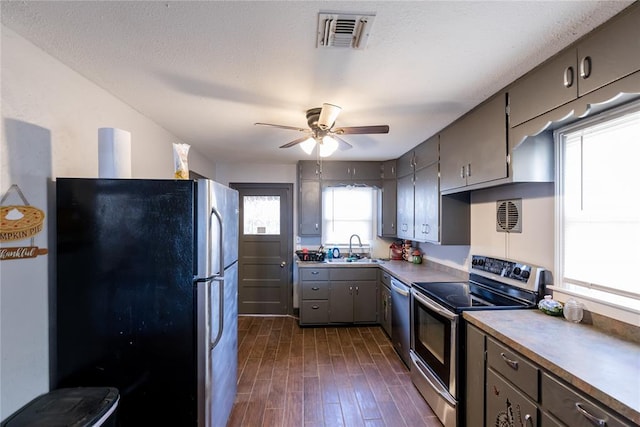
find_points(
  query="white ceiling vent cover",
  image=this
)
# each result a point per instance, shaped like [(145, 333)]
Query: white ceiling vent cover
[(509, 216), (347, 30)]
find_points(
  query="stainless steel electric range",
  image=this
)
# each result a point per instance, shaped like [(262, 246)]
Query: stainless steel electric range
[(437, 337)]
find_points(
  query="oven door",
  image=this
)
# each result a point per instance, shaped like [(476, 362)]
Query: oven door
[(434, 338)]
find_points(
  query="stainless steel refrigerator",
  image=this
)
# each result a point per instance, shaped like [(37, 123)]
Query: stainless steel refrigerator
[(146, 296)]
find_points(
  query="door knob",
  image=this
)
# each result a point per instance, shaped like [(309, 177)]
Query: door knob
[(282, 264)]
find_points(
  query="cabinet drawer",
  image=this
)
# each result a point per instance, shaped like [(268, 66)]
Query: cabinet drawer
[(315, 290), (572, 408), (350, 273), (314, 312), (314, 273), (513, 367), (506, 406), (385, 278)]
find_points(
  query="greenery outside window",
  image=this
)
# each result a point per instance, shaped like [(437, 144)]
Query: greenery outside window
[(598, 208)]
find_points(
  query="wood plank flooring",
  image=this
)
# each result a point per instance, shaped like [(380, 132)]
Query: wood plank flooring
[(348, 376)]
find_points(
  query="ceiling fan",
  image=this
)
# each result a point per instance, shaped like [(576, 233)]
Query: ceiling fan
[(322, 133)]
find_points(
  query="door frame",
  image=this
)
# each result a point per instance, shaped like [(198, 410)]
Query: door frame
[(288, 187)]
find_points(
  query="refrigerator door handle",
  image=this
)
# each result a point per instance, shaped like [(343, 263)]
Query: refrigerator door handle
[(216, 214), (220, 280)]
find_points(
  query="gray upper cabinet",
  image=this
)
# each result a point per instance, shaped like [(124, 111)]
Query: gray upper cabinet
[(351, 171), (426, 222), (387, 201), (309, 169), (426, 153), (310, 208), (609, 53), (473, 150), (405, 164), (405, 207)]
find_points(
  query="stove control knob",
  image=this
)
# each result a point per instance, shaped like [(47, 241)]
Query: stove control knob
[(517, 271), (525, 274)]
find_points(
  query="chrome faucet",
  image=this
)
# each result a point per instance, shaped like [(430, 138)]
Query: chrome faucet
[(351, 254)]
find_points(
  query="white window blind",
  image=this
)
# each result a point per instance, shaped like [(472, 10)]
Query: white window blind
[(347, 211), (598, 205)]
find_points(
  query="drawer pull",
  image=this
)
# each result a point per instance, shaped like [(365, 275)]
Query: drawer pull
[(315, 306), (512, 363), (315, 272), (595, 420), (315, 288)]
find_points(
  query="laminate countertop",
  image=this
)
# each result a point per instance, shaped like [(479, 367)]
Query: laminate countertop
[(402, 270), (601, 365)]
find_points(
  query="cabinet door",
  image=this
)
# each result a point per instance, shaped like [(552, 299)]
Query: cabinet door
[(475, 371), (551, 85), (336, 170), (426, 153), (309, 169), (453, 157), (364, 301), (506, 406), (611, 52), (341, 302), (486, 139), (366, 171), (426, 205), (405, 164), (387, 209), (389, 170), (405, 207), (385, 308), (310, 208)]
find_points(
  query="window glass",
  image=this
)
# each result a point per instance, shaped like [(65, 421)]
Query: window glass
[(347, 211), (261, 215), (598, 205)]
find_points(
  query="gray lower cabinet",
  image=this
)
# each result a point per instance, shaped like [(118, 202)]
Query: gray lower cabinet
[(338, 295), (384, 286), (519, 392), (353, 295)]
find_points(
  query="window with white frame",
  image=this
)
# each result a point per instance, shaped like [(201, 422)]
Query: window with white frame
[(347, 211), (598, 207)]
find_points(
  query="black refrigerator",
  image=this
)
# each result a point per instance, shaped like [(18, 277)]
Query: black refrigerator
[(146, 296)]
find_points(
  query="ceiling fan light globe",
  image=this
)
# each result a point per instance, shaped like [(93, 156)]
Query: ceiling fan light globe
[(308, 145), (328, 116), (328, 146)]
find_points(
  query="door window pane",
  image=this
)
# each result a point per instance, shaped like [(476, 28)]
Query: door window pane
[(261, 215)]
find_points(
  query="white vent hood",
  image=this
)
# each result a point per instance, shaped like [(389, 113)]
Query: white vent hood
[(344, 30)]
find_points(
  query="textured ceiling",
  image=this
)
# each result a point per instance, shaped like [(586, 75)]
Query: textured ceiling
[(207, 70)]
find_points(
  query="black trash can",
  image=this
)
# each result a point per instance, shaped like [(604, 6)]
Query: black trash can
[(69, 407)]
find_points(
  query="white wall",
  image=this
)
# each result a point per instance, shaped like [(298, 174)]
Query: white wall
[(50, 120), (534, 245)]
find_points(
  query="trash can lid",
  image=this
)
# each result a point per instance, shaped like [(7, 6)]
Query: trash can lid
[(68, 407)]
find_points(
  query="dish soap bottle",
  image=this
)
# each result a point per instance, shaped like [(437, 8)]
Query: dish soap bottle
[(573, 311)]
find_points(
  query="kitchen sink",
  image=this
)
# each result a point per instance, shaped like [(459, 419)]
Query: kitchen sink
[(354, 261)]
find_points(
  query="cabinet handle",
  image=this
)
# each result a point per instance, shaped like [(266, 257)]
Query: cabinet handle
[(568, 77), (512, 363), (315, 306), (595, 420), (585, 67), (315, 272), (354, 172), (427, 229), (350, 290), (357, 290), (316, 226), (315, 288), (462, 172), (469, 169), (529, 420)]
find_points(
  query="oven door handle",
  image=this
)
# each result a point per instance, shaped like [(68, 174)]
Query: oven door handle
[(431, 306), (427, 376)]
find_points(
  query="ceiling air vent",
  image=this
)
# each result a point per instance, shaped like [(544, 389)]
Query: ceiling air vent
[(509, 216), (347, 30)]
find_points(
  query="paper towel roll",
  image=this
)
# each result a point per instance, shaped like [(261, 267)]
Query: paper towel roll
[(114, 153)]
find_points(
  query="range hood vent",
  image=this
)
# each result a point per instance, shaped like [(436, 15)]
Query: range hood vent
[(344, 30)]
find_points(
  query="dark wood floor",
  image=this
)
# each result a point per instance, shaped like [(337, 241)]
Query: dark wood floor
[(290, 376)]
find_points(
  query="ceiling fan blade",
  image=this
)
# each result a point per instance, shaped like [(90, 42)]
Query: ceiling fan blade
[(294, 142), (342, 144), (282, 127), (354, 130)]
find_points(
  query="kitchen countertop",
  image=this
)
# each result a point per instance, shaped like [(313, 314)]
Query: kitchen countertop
[(601, 365), (402, 270)]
